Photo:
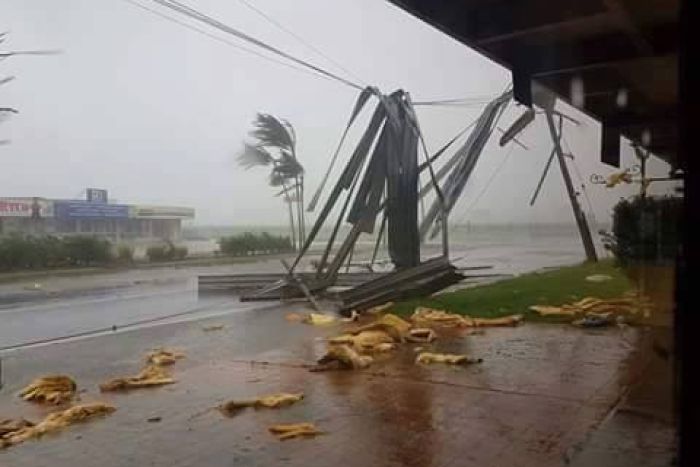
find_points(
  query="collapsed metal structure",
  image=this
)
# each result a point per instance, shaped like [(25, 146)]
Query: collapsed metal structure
[(380, 184)]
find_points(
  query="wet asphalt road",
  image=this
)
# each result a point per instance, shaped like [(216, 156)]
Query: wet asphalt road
[(72, 306), (118, 308)]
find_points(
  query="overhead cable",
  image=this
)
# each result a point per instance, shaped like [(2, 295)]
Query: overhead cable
[(308, 67), (221, 39), (300, 39), (458, 101), (194, 14), (488, 184)]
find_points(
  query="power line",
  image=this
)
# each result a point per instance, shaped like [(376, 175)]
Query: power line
[(457, 101), (488, 183), (464, 101), (300, 39), (221, 39), (29, 52), (192, 13), (310, 68), (454, 106)]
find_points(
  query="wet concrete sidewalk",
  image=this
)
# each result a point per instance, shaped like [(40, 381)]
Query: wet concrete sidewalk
[(539, 398)]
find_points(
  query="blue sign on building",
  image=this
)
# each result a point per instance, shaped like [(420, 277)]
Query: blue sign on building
[(87, 210)]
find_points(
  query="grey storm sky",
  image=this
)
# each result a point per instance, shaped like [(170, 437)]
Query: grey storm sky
[(155, 112)]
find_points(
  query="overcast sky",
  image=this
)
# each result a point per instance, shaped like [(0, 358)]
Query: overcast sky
[(155, 113)]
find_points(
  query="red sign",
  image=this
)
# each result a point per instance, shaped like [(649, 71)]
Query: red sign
[(24, 207)]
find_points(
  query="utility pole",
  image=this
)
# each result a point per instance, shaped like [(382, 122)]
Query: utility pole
[(581, 222)]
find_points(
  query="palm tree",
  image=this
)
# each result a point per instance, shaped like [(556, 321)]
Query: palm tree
[(275, 147)]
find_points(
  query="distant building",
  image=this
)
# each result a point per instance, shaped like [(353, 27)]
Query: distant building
[(94, 215)]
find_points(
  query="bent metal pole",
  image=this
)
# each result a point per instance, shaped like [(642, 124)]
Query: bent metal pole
[(581, 222)]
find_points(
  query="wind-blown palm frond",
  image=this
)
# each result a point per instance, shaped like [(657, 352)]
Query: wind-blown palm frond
[(287, 190), (277, 179), (274, 145), (271, 132), (290, 130), (288, 166), (253, 156)]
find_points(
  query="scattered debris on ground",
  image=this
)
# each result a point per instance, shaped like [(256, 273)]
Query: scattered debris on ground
[(593, 312), (152, 375), (547, 310), (54, 389), (365, 341), (421, 336), (427, 317), (216, 327), (595, 320), (294, 317), (272, 401), (354, 349), (384, 347), (294, 430), (154, 419), (392, 325), (354, 316), (319, 319), (375, 310), (510, 320), (162, 357), (598, 278), (54, 422), (346, 351), (9, 426), (342, 357), (429, 357)]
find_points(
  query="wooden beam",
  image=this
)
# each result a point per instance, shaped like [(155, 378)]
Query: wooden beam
[(547, 28), (627, 25), (663, 117), (572, 56), (594, 65)]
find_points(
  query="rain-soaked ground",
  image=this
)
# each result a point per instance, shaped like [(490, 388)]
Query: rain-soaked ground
[(544, 395)]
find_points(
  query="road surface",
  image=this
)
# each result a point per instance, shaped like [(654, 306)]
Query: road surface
[(34, 311)]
